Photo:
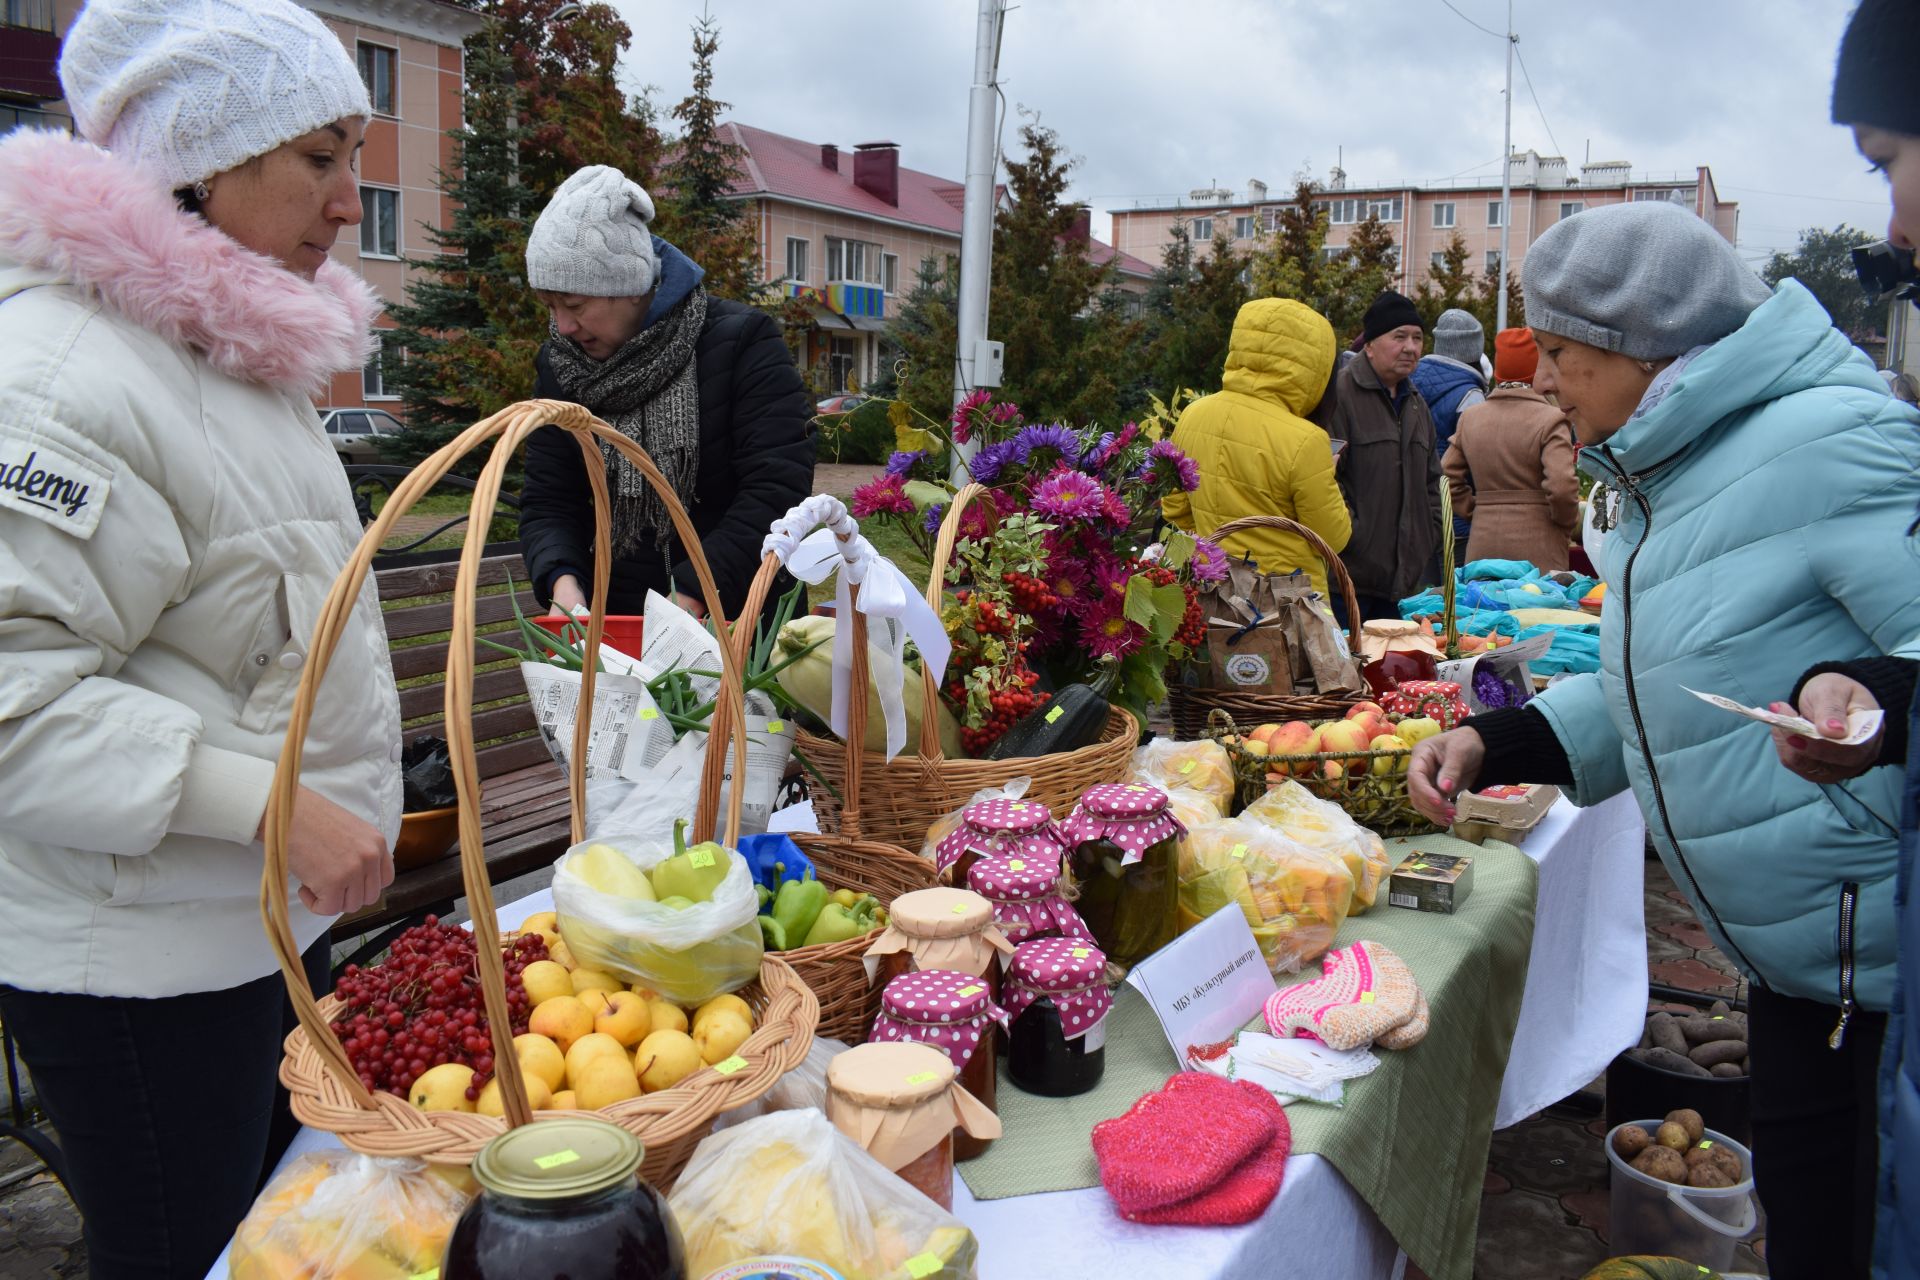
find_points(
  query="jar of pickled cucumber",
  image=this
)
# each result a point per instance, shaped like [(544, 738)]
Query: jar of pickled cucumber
[(1124, 868)]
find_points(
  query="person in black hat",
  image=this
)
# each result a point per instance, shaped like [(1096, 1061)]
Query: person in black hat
[(1388, 470)]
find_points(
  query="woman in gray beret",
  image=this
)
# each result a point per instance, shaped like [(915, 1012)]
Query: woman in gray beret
[(1757, 481), (706, 386)]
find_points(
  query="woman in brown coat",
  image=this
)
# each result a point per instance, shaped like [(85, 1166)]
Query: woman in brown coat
[(1510, 466)]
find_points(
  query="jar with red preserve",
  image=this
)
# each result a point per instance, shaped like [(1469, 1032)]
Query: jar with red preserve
[(1394, 651), (1058, 999), (563, 1200), (939, 929), (954, 1013), (1125, 868), (998, 829), (900, 1101), (1026, 898)]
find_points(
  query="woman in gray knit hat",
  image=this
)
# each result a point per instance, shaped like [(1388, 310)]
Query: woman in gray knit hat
[(1757, 479), (706, 386)]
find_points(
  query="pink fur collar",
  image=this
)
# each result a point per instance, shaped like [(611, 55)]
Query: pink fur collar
[(108, 226)]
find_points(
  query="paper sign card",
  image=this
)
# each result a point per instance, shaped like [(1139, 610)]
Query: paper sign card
[(1861, 724), (1205, 985)]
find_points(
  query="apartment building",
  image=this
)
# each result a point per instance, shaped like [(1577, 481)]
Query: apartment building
[(847, 229), (411, 54), (1424, 216)]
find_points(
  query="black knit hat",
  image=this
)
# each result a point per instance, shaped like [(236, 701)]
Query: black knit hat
[(1389, 311), (1873, 83)]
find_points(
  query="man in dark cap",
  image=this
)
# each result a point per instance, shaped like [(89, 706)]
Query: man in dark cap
[(1388, 469)]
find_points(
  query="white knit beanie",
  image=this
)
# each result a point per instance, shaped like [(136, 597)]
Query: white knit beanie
[(192, 88), (592, 238)]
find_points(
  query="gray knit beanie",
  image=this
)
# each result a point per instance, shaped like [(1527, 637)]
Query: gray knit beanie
[(1646, 279), (1458, 336), (592, 238), (195, 89)]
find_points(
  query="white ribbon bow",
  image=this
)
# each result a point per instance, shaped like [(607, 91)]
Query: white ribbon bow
[(819, 537)]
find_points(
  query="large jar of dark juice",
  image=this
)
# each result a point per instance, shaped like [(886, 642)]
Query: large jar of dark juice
[(1057, 995), (1125, 868), (998, 829), (954, 1013), (562, 1199), (939, 929)]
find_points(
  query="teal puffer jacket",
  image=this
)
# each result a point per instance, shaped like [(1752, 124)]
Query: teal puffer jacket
[(1763, 514)]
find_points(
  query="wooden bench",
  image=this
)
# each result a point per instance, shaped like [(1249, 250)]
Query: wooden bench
[(524, 805)]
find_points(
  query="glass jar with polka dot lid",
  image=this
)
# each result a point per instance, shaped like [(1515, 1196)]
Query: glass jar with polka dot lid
[(998, 828), (955, 1013), (1057, 997), (1124, 868)]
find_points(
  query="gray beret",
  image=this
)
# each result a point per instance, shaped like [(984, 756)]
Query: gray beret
[(592, 238), (1646, 279), (1458, 336)]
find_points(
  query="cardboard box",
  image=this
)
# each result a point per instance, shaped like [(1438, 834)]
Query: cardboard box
[(1431, 882), (1502, 813)]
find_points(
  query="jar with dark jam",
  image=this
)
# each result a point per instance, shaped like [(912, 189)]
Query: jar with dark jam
[(998, 829), (1057, 996), (954, 1013), (1396, 653), (562, 1199), (1125, 867), (939, 929), (901, 1102)]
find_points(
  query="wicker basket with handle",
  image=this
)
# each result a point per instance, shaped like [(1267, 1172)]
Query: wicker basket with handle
[(1190, 706), (902, 797), (326, 1092), (836, 971)]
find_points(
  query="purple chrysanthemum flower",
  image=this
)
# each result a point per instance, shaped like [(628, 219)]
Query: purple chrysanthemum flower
[(986, 465), (1209, 562), (902, 462), (1061, 440), (1184, 470), (1069, 495), (936, 516)]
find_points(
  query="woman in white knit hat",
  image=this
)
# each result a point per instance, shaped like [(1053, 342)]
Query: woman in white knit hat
[(171, 518), (706, 386)]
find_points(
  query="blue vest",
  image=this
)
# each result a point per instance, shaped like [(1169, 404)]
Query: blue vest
[(1444, 384)]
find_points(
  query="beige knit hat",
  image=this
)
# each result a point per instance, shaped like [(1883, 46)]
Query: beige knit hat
[(192, 88)]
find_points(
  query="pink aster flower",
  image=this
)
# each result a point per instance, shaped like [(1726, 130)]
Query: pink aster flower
[(1108, 633), (1166, 461), (1069, 495), (882, 495), (1209, 562), (1069, 580), (1110, 577), (964, 411)]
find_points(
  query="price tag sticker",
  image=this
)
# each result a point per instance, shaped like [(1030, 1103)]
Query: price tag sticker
[(1016, 864), (1239, 851), (557, 1159), (430, 1274), (923, 1077), (1081, 953), (1286, 923), (1420, 866), (1055, 714), (1366, 997), (727, 1066), (1136, 789), (700, 858), (1706, 1144), (1188, 767), (973, 990), (649, 713), (776, 726), (960, 908), (922, 1265)]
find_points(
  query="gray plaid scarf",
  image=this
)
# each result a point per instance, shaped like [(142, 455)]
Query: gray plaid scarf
[(649, 392)]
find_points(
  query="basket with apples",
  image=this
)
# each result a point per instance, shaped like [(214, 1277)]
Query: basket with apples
[(1359, 762)]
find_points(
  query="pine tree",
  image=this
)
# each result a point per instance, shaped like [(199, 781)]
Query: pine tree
[(1486, 295), (1449, 284), (1357, 276), (697, 211), (924, 332), (1290, 260), (1190, 311), (571, 106)]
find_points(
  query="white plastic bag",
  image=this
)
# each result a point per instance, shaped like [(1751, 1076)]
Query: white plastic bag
[(688, 955), (338, 1214), (804, 1086), (790, 1183), (948, 823)]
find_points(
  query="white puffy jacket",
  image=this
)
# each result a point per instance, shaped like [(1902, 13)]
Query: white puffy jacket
[(171, 519)]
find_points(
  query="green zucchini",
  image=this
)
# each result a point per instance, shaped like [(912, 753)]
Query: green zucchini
[(1072, 718)]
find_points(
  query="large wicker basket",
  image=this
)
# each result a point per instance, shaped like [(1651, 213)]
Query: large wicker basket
[(1191, 706), (326, 1092), (904, 796), (836, 971), (1370, 785)]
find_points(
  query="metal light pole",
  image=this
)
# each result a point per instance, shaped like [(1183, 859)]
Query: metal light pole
[(975, 361), (1506, 186)]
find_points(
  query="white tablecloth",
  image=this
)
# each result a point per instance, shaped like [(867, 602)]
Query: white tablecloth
[(1588, 974)]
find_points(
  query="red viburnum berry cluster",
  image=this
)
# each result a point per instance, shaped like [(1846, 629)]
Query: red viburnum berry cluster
[(1009, 705), (422, 1007), (1031, 595)]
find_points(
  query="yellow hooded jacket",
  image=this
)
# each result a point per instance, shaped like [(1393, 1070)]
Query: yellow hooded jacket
[(1257, 453)]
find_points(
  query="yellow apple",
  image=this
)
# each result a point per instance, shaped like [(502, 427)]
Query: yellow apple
[(562, 1020), (665, 1015), (443, 1088), (595, 980), (586, 1049), (544, 980), (1415, 731), (542, 922), (541, 1057), (539, 1096), (626, 1019), (605, 1081), (1395, 763), (665, 1058), (722, 1032)]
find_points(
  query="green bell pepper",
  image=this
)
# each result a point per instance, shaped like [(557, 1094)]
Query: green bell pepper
[(771, 934), (797, 905), (839, 924)]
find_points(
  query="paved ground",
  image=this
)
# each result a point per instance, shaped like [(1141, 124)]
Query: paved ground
[(1543, 1213)]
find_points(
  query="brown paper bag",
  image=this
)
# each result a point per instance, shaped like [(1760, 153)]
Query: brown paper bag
[(1261, 619)]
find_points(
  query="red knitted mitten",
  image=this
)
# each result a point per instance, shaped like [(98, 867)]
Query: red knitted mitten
[(1181, 1140), (1244, 1195)]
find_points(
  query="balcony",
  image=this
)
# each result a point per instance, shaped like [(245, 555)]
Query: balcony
[(29, 52)]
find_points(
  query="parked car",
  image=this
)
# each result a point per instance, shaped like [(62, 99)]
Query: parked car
[(845, 402), (355, 432)]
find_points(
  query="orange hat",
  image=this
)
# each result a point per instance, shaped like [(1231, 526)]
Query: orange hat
[(1514, 355)]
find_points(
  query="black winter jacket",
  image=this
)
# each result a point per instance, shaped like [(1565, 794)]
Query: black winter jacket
[(756, 462)]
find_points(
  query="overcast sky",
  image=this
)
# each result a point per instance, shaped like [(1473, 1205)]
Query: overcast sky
[(1168, 95)]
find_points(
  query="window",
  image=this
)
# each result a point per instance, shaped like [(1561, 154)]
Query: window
[(890, 272), (377, 69), (36, 15), (1570, 207), (1443, 214), (797, 259), (1347, 210), (1384, 210), (852, 262), (1682, 196), (840, 359), (1243, 227), (1437, 260), (1270, 218), (1494, 212), (1202, 229), (1329, 252), (349, 424), (1493, 260), (379, 222), (373, 378)]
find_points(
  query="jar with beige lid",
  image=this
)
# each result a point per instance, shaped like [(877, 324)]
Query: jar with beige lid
[(901, 1102), (939, 929)]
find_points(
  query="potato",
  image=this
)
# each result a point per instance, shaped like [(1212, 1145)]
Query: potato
[(1668, 1060), (1715, 1052), (1719, 1009), (1708, 1174), (1673, 1136), (1629, 1140), (1704, 1029), (1663, 1163), (1729, 1162), (1729, 1070), (1689, 1119), (1698, 1155), (1664, 1030)]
